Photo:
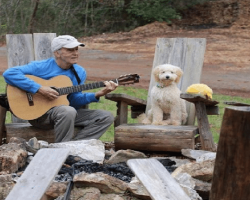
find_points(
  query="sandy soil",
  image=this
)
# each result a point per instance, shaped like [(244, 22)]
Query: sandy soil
[(226, 66)]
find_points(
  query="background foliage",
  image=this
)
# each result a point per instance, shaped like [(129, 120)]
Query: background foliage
[(85, 17)]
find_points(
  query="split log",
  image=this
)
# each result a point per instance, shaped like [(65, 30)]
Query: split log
[(231, 177), (155, 138)]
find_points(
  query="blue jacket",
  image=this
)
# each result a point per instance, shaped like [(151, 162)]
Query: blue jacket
[(47, 69)]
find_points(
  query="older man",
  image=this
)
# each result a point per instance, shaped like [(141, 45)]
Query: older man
[(64, 118)]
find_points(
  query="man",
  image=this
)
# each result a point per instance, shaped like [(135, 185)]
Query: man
[(64, 118)]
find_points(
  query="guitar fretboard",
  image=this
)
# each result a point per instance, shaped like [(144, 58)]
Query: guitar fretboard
[(79, 88)]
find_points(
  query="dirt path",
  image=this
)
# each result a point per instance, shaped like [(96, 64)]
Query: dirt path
[(104, 65)]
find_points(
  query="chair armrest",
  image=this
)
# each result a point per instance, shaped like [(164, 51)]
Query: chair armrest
[(130, 100), (138, 106), (211, 107)]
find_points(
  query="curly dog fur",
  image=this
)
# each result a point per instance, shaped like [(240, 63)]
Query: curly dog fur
[(167, 108)]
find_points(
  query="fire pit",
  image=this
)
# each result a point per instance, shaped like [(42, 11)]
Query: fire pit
[(74, 165)]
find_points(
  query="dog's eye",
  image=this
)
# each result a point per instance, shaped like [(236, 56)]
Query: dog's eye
[(172, 72), (163, 72)]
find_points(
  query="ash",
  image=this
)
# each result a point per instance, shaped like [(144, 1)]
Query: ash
[(74, 165)]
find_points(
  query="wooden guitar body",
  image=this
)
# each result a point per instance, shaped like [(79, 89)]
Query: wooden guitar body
[(19, 103)]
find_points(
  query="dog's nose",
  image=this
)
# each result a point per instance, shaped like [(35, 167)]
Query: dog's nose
[(167, 77)]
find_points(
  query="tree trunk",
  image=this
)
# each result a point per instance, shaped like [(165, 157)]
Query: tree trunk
[(231, 178), (32, 19)]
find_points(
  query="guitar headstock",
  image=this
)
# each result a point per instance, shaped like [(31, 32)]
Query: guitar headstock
[(128, 79)]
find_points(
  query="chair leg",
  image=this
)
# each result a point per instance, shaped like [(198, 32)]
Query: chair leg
[(3, 134)]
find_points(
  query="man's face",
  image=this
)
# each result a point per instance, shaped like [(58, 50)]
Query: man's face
[(68, 56)]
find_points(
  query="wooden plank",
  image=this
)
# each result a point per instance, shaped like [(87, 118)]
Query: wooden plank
[(27, 131), (19, 52), (186, 53), (193, 98), (157, 180), (39, 174), (19, 49), (42, 45), (231, 178)]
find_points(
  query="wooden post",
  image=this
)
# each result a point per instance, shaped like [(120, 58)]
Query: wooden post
[(207, 141), (2, 125), (231, 178), (122, 113)]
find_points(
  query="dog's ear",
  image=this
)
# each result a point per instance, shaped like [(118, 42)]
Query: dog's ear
[(179, 74), (156, 72)]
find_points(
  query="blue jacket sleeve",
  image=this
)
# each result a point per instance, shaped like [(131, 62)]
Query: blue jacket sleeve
[(15, 76)]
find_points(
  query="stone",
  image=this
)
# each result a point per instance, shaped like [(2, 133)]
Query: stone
[(138, 190), (124, 155), (188, 184), (12, 157), (33, 142), (43, 144), (111, 197), (105, 183), (87, 149), (202, 188), (56, 189), (88, 193), (6, 185), (193, 154), (206, 156), (202, 171), (190, 192)]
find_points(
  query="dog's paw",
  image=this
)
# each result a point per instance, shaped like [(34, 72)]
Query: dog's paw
[(176, 123), (156, 123)]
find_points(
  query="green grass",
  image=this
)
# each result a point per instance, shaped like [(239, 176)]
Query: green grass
[(214, 120)]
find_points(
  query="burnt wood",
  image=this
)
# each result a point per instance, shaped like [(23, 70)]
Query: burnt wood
[(231, 178), (155, 138)]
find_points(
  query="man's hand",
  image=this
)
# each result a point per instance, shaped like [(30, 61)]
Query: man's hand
[(48, 92), (110, 86)]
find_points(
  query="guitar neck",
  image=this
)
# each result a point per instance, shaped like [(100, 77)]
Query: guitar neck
[(79, 88)]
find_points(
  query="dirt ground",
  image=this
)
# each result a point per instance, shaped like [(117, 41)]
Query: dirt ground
[(226, 65)]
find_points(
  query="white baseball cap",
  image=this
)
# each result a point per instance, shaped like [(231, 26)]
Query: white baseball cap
[(65, 41)]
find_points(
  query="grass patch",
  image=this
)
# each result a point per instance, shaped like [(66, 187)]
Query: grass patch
[(214, 121)]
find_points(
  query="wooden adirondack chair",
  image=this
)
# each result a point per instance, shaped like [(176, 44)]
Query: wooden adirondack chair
[(23, 48), (188, 54)]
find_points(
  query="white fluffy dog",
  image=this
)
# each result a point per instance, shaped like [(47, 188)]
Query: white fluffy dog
[(167, 108)]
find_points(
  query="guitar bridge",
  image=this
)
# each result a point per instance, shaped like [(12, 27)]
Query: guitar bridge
[(30, 99)]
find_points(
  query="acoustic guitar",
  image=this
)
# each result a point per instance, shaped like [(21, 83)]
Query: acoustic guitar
[(29, 106)]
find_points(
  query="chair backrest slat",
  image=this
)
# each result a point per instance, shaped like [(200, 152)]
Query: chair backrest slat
[(24, 48)]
